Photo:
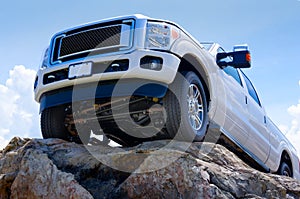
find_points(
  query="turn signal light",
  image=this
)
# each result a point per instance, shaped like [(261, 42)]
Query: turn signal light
[(248, 57)]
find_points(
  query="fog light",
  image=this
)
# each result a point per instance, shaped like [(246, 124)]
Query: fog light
[(151, 63)]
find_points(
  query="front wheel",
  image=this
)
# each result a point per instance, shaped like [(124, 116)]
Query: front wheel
[(186, 108), (53, 125)]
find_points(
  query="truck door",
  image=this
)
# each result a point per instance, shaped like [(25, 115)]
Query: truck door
[(258, 141), (235, 107), (231, 101)]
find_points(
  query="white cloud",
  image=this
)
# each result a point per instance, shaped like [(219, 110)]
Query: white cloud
[(3, 142), (19, 111), (295, 110), (293, 132)]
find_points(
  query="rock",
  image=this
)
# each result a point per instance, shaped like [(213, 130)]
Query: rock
[(53, 168)]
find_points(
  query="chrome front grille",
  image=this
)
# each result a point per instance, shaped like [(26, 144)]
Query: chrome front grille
[(92, 40)]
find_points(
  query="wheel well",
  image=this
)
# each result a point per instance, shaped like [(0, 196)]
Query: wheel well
[(285, 157), (190, 63)]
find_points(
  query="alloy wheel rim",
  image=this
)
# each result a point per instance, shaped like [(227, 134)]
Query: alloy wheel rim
[(286, 172), (195, 107)]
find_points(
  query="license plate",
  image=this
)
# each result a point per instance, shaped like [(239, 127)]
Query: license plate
[(80, 70)]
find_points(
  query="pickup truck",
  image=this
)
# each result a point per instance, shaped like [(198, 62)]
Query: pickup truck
[(135, 78)]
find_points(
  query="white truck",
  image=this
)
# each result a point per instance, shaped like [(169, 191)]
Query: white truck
[(134, 78)]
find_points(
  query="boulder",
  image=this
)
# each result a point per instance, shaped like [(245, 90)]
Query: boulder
[(54, 168)]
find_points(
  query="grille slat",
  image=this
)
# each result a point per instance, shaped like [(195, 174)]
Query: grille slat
[(90, 40)]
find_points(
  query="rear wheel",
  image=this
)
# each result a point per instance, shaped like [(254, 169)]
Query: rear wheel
[(285, 170), (186, 108)]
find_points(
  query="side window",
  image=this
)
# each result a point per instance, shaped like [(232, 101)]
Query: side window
[(231, 71), (251, 89)]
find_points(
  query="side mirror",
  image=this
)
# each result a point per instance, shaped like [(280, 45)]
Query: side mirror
[(237, 59)]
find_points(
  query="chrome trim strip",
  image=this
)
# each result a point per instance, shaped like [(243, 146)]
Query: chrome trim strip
[(59, 45), (126, 30), (53, 48)]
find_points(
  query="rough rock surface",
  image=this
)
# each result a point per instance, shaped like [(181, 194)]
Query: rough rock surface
[(53, 168)]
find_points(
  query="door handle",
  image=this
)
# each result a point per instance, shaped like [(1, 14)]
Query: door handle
[(265, 119)]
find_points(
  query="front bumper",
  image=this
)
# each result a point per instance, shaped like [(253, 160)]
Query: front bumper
[(166, 75), (102, 90)]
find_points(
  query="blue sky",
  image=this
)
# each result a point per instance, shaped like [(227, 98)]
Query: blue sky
[(270, 27)]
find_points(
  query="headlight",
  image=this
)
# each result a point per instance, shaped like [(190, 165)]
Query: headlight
[(45, 59), (160, 35)]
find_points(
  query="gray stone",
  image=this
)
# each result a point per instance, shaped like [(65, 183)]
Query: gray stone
[(53, 168)]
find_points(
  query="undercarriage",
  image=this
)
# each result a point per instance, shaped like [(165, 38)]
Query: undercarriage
[(137, 118), (177, 112)]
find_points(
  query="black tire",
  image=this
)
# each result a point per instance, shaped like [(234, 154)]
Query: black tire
[(52, 123), (53, 126), (285, 170), (180, 113)]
